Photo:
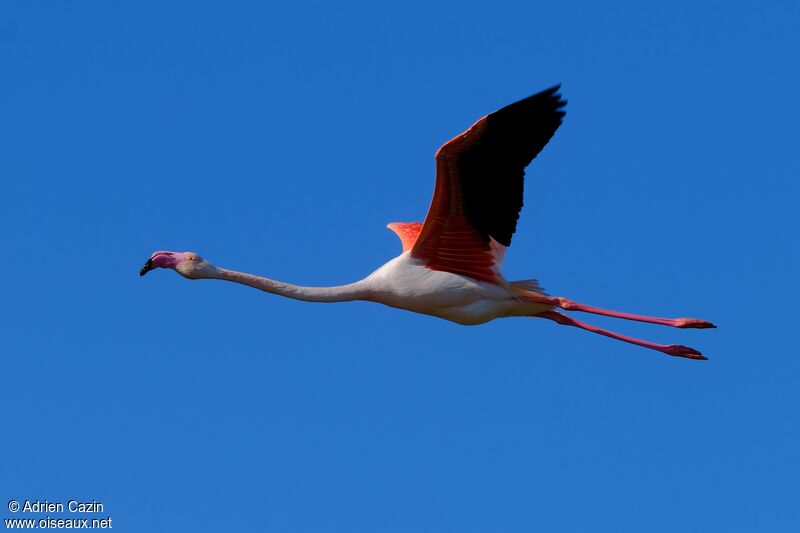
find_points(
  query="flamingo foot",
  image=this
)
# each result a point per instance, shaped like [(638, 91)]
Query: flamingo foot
[(678, 350), (693, 323)]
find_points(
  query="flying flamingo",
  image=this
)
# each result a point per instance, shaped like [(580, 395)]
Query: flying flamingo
[(450, 264)]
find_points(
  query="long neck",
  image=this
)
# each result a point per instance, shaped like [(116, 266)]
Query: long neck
[(343, 293)]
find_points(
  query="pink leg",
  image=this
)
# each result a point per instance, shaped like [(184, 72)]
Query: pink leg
[(669, 349), (569, 305)]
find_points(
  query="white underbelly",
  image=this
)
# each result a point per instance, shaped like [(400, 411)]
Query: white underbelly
[(406, 284)]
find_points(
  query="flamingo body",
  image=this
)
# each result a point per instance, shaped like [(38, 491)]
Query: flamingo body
[(407, 283), (450, 266)]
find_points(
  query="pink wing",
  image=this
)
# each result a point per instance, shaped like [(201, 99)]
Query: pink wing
[(479, 185), (407, 231)]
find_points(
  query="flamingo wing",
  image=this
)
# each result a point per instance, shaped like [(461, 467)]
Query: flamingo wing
[(407, 231), (479, 184)]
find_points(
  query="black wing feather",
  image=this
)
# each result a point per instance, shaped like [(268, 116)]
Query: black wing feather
[(491, 169)]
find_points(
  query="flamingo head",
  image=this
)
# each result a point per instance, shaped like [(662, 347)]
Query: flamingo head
[(187, 264)]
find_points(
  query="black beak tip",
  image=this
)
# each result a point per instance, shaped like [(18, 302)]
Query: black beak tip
[(147, 267)]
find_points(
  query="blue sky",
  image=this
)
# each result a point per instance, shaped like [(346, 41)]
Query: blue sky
[(280, 138)]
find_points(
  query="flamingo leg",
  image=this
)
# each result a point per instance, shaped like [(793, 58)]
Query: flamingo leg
[(676, 350), (569, 305)]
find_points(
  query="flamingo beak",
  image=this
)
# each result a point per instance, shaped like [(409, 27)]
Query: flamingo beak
[(147, 267)]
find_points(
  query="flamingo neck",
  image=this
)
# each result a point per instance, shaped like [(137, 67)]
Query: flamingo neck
[(342, 293)]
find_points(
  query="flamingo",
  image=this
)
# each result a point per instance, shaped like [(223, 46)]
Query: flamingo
[(450, 266)]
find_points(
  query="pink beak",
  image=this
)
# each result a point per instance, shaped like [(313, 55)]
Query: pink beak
[(161, 259)]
